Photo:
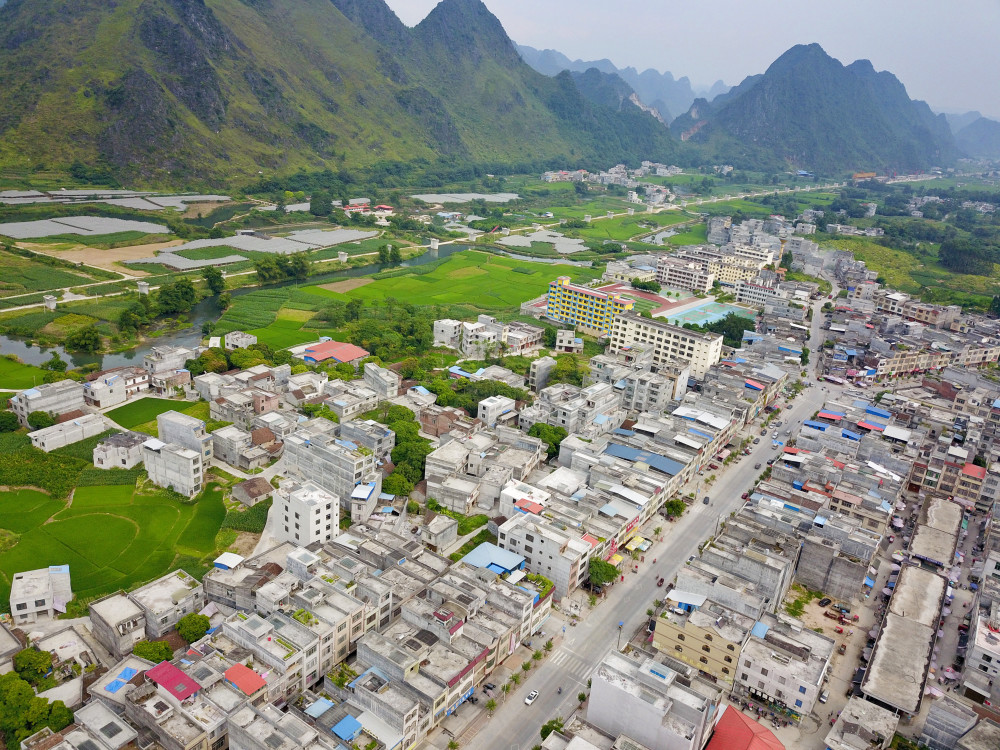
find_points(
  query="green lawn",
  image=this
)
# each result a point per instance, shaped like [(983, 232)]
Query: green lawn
[(284, 333), (112, 537), (696, 235), (18, 376), (484, 280), (627, 227), (135, 413)]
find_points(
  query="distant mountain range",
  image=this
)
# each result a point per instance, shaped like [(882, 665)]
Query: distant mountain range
[(657, 90), (220, 92), (811, 111)]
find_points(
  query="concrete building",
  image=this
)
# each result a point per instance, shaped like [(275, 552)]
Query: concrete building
[(305, 513), (186, 431), (338, 466), (56, 399), (118, 624), (39, 594), (242, 407), (784, 664), (540, 372), (667, 342), (9, 645), (166, 600), (123, 450), (591, 311), (239, 340), (561, 557), (347, 399), (173, 466), (236, 447), (253, 491), (646, 701), (677, 273), (982, 660), (439, 533), (862, 726), (493, 408), (383, 381), (167, 359), (947, 721), (114, 387), (369, 434), (68, 432), (567, 341)]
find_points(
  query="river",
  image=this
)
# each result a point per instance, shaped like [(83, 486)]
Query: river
[(206, 310)]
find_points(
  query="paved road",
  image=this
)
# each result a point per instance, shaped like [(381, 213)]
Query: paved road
[(515, 726)]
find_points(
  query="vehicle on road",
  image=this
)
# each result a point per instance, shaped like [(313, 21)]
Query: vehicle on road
[(744, 496), (825, 601), (825, 695), (757, 465), (763, 433), (838, 629), (660, 582), (705, 500), (756, 440), (490, 686), (691, 558), (770, 461), (530, 697), (892, 538)]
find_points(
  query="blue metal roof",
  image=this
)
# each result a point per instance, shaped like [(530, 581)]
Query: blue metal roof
[(347, 728), (655, 460), (869, 582), (850, 435), (759, 630), (816, 425), (879, 412), (609, 510), (486, 555), (626, 433), (693, 431)]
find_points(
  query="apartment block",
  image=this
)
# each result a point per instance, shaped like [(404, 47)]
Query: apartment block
[(68, 432), (52, 398), (705, 634), (173, 466), (677, 273), (167, 359), (383, 381), (494, 408), (348, 399), (305, 513), (166, 600), (667, 342), (236, 447), (591, 311), (113, 387), (369, 434), (338, 466), (561, 557), (122, 450), (118, 623), (186, 431), (567, 341), (243, 406), (593, 410), (540, 372), (38, 594)]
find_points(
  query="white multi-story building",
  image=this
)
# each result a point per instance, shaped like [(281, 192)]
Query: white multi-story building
[(668, 342), (52, 398), (547, 550), (239, 340), (750, 293), (165, 359), (347, 399), (71, 431), (167, 599), (678, 273), (173, 466), (305, 513), (336, 465), (494, 407), (383, 381), (981, 678), (115, 387), (186, 431), (120, 451), (41, 593)]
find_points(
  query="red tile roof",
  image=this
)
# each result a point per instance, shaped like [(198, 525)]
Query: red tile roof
[(338, 350), (173, 680), (979, 472), (737, 731), (245, 679)]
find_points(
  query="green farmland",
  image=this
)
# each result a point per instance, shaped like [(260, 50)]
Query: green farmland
[(135, 414), (14, 375), (112, 537)]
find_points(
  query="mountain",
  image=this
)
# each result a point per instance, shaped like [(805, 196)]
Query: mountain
[(810, 111), (958, 121), (980, 139), (655, 89), (218, 91)]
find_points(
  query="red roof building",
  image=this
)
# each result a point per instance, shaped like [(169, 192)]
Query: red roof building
[(737, 731), (970, 469), (173, 680), (245, 679), (335, 350)]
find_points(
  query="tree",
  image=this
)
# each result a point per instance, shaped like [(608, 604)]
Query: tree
[(60, 716), (505, 689), (396, 484), (86, 339), (40, 419), (154, 651), (213, 277), (551, 435), (646, 286), (601, 572), (192, 627), (298, 266), (515, 679), (320, 203), (225, 300), (54, 363), (178, 297), (675, 507), (32, 665), (395, 256), (552, 725), (804, 357), (383, 255), (537, 655), (491, 706), (453, 744), (8, 421), (547, 646)]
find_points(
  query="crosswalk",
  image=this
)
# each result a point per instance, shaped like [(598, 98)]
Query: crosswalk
[(570, 664)]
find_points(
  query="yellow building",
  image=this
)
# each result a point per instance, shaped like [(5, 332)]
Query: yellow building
[(709, 638), (587, 309)]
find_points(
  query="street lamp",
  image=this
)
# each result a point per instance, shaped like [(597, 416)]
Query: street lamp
[(621, 624)]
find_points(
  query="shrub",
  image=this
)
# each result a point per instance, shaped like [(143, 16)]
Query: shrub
[(192, 627), (251, 520), (154, 651)]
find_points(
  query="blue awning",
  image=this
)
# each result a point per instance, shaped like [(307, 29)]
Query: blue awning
[(759, 630), (869, 582), (850, 435), (625, 433), (874, 410), (816, 425)]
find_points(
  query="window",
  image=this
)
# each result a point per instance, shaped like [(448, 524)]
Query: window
[(21, 606), (746, 662), (725, 670), (729, 660), (802, 689), (708, 636), (707, 649), (798, 704), (678, 648), (703, 660), (744, 676), (763, 673), (731, 647), (39, 602), (680, 636)]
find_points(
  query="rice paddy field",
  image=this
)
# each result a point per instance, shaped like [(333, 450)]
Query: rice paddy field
[(140, 415), (14, 375), (111, 536)]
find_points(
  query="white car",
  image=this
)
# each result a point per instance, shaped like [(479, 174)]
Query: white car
[(530, 698)]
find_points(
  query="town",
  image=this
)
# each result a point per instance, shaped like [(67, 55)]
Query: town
[(734, 486)]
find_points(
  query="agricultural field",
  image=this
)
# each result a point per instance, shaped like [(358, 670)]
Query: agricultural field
[(143, 533), (599, 206), (19, 376), (626, 227), (22, 275), (487, 281), (100, 241), (695, 235), (140, 414)]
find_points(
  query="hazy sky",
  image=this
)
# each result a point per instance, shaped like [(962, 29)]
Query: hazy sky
[(946, 53)]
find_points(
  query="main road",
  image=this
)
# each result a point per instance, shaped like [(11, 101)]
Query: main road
[(515, 726)]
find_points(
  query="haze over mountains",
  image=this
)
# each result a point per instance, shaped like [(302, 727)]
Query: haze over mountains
[(219, 91)]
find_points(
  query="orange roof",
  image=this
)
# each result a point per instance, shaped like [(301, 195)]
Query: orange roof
[(979, 472), (338, 350), (737, 731), (245, 679)]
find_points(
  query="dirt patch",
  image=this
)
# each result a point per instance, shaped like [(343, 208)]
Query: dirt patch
[(244, 544), (202, 209), (106, 259), (346, 285)]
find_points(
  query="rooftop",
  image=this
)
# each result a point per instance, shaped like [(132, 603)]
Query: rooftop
[(860, 725), (165, 593), (116, 608)]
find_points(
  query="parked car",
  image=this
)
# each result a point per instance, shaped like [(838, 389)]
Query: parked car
[(705, 500), (825, 601), (660, 582), (490, 686), (770, 461), (744, 496), (756, 440), (530, 697), (825, 695)]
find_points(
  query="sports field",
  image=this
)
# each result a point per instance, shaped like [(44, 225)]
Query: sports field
[(471, 277), (112, 537)]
